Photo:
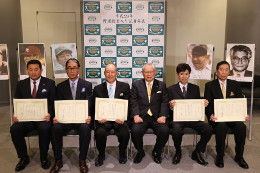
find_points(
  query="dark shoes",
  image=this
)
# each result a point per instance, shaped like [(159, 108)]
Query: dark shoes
[(198, 157), (139, 156), (24, 161), (157, 157), (45, 163), (57, 166), (219, 162), (83, 166), (241, 162), (122, 158), (99, 160), (176, 158)]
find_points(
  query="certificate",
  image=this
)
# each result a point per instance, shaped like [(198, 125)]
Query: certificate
[(111, 109), (30, 109), (189, 110), (71, 111), (234, 109)]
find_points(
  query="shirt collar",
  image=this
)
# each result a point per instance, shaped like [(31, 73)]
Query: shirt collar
[(37, 81)]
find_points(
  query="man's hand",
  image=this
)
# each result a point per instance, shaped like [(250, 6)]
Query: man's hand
[(88, 120), (206, 102), (55, 120), (161, 120), (138, 119), (213, 118), (247, 118), (15, 119), (118, 121), (47, 117), (172, 103), (102, 121)]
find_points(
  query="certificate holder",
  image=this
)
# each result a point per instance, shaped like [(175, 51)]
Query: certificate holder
[(233, 109), (111, 109), (30, 109), (189, 110), (71, 111)]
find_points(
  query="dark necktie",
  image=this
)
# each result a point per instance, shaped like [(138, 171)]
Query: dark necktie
[(34, 89), (184, 92)]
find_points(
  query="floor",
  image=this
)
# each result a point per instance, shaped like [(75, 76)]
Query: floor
[(8, 157)]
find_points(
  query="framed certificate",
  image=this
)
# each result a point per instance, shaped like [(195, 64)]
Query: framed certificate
[(30, 109), (111, 109), (234, 109), (189, 110), (71, 111)]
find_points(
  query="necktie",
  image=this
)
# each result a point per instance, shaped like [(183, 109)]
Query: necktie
[(73, 90), (34, 89), (111, 92), (149, 92), (223, 90), (184, 92)]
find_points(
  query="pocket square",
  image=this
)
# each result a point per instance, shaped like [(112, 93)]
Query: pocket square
[(83, 90), (121, 94), (44, 90), (232, 94), (158, 92)]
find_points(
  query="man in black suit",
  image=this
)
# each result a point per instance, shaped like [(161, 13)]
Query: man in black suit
[(185, 90), (222, 88), (37, 87), (118, 90), (149, 109), (73, 88)]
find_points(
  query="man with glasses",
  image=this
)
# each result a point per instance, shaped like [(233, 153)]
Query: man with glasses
[(149, 109), (73, 88), (240, 56)]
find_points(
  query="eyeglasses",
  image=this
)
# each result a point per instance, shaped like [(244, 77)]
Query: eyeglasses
[(71, 69), (148, 72), (237, 59)]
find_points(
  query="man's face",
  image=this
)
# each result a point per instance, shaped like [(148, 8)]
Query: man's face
[(72, 70), (27, 58), (63, 57), (34, 71), (1, 59), (149, 73), (223, 72), (240, 61), (110, 73), (183, 77), (200, 62)]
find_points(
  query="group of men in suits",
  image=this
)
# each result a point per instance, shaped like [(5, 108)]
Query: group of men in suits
[(151, 105)]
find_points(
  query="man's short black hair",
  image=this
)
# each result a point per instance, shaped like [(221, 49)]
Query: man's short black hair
[(182, 67), (73, 60), (221, 63), (240, 48), (35, 61)]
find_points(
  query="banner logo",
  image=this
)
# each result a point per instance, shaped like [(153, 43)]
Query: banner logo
[(92, 62), (92, 29), (92, 40), (156, 40), (92, 18), (156, 7), (139, 62), (108, 51), (124, 72), (155, 61), (124, 29), (139, 6), (124, 7), (139, 30), (124, 51), (124, 40), (93, 73), (159, 73), (91, 7), (124, 62), (139, 51), (155, 51), (108, 40), (92, 51), (156, 29), (108, 29), (156, 18), (107, 6), (140, 40), (106, 61)]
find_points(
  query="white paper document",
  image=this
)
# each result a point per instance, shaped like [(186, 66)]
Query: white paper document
[(71, 111), (234, 109), (30, 109), (189, 110), (111, 109)]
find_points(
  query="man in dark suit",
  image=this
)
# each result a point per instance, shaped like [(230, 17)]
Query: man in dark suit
[(149, 109), (118, 90), (222, 88), (73, 88), (185, 90), (37, 87)]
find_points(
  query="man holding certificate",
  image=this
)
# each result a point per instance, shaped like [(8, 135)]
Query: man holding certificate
[(223, 88), (111, 89), (34, 87), (73, 88), (185, 90), (149, 109)]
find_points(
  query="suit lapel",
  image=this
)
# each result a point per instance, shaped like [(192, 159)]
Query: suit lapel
[(104, 88), (40, 87), (144, 88), (67, 89), (228, 91), (218, 88), (178, 90), (154, 89), (28, 88), (117, 90)]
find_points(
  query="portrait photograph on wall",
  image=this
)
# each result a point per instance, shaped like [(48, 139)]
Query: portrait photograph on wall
[(60, 54), (241, 58), (3, 62), (200, 59), (27, 52)]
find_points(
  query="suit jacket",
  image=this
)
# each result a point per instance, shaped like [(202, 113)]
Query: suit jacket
[(122, 91), (84, 92), (175, 93), (46, 89), (139, 103), (213, 91), (247, 73)]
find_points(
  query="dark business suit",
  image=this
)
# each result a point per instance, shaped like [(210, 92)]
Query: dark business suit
[(205, 130), (122, 91), (233, 90), (158, 105), (247, 73), (46, 89), (84, 92)]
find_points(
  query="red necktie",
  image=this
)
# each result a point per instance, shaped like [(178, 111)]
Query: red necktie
[(34, 90)]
